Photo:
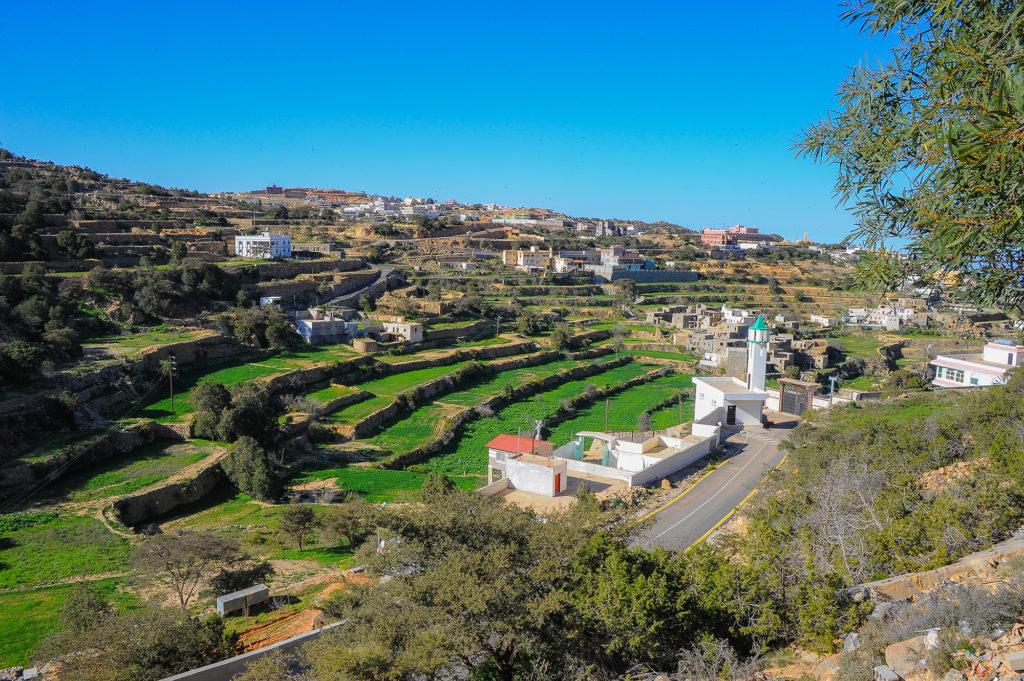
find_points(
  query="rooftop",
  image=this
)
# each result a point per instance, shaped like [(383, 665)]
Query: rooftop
[(548, 461), (515, 443)]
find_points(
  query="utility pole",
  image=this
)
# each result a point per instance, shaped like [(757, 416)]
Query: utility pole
[(497, 328), (679, 398), (171, 365), (606, 403)]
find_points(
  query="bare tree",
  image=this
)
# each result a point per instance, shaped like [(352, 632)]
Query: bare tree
[(183, 561)]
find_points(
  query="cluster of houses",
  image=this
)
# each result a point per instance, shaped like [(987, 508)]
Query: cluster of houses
[(891, 317), (718, 336), (603, 264), (330, 325)]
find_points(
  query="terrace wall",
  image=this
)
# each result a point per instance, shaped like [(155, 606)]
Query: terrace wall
[(140, 508), (472, 329), (213, 346), (343, 401), (77, 457)]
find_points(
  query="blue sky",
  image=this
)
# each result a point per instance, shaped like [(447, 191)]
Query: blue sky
[(645, 110)]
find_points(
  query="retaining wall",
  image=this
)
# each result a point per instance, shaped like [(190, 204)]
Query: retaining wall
[(143, 507), (83, 455)]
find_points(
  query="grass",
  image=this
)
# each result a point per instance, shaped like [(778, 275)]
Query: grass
[(398, 383), (26, 617), (134, 470), (331, 392), (130, 344), (356, 412), (659, 354), (471, 454), (624, 408), (860, 383), (49, 444), (46, 547), (159, 409), (378, 484)]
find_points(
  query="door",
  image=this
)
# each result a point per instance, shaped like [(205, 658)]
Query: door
[(730, 415), (794, 401), (558, 483)]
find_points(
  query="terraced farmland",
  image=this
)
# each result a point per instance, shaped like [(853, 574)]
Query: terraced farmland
[(624, 408), (471, 454)]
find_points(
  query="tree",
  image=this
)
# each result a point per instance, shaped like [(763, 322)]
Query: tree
[(625, 294), (249, 469), (618, 339), (643, 422), (83, 606), (476, 586), (560, 337), (140, 645), (297, 521), (183, 561), (178, 251), (436, 487), (349, 521), (928, 146), (209, 396)]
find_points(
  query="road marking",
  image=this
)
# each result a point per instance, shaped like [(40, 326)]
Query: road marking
[(708, 500), (688, 490), (736, 508)]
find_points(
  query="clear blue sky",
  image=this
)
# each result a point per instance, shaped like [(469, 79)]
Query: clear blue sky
[(627, 110)]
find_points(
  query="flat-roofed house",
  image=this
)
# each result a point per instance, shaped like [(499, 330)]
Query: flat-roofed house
[(989, 367)]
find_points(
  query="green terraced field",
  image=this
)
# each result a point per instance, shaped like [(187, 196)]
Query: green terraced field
[(471, 454), (624, 408), (355, 412), (134, 470), (159, 406), (378, 484), (132, 343), (28, 616), (331, 392), (46, 547), (397, 383)]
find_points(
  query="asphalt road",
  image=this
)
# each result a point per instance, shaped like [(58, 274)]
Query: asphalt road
[(692, 515)]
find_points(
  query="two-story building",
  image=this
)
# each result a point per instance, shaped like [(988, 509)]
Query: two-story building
[(266, 245)]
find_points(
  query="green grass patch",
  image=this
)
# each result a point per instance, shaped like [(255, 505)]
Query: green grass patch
[(132, 343), (379, 484), (356, 412), (46, 547), (26, 617), (624, 408), (134, 470), (159, 406), (471, 454), (663, 354), (331, 392), (334, 556)]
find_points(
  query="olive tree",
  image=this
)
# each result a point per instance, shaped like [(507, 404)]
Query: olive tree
[(928, 146)]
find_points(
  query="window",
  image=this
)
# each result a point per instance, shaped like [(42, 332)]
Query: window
[(950, 374), (974, 380)]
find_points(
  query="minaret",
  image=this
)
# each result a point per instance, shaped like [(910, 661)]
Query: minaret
[(757, 354)]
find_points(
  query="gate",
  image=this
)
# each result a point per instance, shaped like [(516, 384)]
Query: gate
[(794, 401)]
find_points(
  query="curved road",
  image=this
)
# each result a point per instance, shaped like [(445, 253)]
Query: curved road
[(699, 510)]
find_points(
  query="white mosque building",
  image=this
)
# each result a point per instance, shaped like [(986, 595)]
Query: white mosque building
[(731, 401)]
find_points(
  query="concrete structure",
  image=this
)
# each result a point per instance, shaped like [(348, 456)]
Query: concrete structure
[(242, 600), (266, 245), (505, 447), (757, 355), (532, 259), (316, 248), (974, 369), (411, 332), (320, 327), (367, 345), (542, 475)]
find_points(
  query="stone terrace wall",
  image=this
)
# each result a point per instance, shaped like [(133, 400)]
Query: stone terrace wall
[(287, 270), (205, 348), (458, 422), (83, 455), (140, 508)]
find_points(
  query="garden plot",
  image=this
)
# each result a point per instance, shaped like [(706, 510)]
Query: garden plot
[(379, 484), (386, 389), (125, 346)]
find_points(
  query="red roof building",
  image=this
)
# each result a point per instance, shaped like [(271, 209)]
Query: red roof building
[(517, 444)]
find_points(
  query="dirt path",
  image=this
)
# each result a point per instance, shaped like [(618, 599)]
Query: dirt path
[(66, 580)]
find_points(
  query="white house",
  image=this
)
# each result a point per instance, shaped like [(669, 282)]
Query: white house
[(410, 331), (731, 401), (978, 369), (266, 245)]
